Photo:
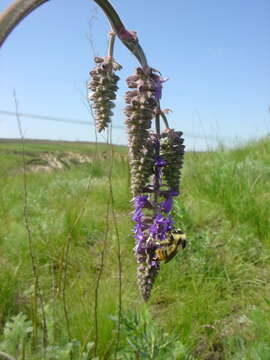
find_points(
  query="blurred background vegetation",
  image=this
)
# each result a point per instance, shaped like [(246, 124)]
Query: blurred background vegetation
[(211, 302)]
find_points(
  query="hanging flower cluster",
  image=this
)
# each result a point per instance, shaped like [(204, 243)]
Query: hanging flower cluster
[(155, 157), (140, 109), (104, 87), (172, 150), (155, 161), (152, 208)]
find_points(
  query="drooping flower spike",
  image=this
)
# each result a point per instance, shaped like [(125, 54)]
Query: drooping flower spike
[(153, 206), (155, 156), (104, 87)]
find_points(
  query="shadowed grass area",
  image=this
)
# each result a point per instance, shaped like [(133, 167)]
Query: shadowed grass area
[(210, 302)]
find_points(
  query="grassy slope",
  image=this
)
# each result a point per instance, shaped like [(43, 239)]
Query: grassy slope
[(214, 297)]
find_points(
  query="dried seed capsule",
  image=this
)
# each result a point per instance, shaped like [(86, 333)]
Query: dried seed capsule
[(103, 85), (98, 59), (172, 150), (140, 110)]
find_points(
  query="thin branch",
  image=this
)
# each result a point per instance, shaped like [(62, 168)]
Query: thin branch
[(110, 55), (66, 255), (157, 154), (37, 290), (89, 35), (118, 251), (157, 122), (165, 120), (90, 109), (100, 270)]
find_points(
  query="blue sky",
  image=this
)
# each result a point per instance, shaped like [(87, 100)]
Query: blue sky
[(216, 55)]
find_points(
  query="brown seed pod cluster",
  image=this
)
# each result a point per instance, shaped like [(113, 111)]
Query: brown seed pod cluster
[(104, 86), (142, 166), (172, 151), (140, 110)]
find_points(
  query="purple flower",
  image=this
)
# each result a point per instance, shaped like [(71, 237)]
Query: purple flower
[(166, 205), (155, 264), (137, 215), (160, 162), (158, 80), (138, 230), (161, 225), (140, 202)]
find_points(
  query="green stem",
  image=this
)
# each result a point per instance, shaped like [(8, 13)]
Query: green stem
[(111, 45), (131, 43), (156, 176), (164, 118)]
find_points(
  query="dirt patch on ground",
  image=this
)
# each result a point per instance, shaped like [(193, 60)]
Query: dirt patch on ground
[(48, 161)]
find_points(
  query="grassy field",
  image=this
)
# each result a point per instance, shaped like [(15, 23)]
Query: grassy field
[(211, 302)]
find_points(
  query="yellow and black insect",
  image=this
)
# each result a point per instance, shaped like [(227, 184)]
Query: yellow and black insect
[(169, 247)]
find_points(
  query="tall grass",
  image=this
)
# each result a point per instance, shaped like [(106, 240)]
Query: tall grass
[(210, 302)]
